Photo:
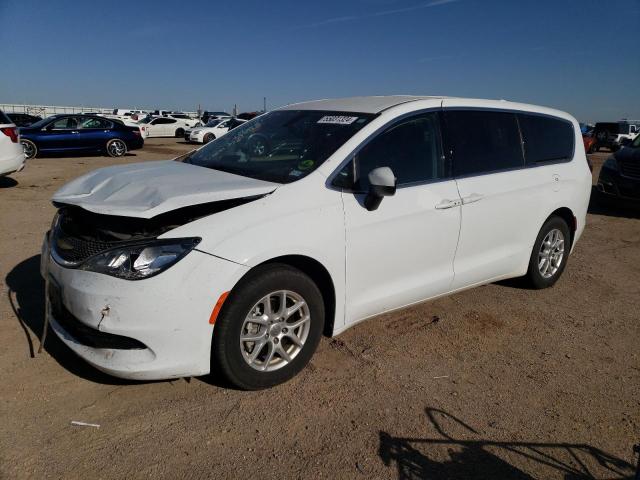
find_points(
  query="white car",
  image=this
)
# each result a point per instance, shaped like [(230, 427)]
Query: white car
[(189, 121), (164, 126), (304, 221), (212, 130), (11, 152)]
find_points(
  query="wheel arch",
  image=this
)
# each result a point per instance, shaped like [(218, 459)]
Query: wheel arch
[(320, 275), (568, 216)]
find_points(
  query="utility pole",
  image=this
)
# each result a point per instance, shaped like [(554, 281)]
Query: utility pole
[(264, 104)]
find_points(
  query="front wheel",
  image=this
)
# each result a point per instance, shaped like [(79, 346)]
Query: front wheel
[(269, 327), (208, 137), (180, 132), (30, 148), (550, 253), (116, 148)]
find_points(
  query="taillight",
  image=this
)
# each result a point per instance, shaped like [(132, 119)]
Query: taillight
[(11, 132)]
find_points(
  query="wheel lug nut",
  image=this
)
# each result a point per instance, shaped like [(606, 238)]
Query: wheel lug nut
[(284, 330), (275, 340)]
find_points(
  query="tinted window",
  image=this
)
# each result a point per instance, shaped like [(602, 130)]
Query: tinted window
[(66, 123), (545, 138), (411, 148), (95, 123), (482, 141)]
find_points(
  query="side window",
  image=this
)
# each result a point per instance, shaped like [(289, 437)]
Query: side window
[(482, 141), (66, 123), (99, 123), (411, 148), (546, 139)]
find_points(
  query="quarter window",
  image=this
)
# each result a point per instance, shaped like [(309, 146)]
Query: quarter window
[(546, 139), (482, 141), (411, 148)]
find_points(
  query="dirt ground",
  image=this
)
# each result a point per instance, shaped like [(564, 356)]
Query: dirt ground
[(496, 382)]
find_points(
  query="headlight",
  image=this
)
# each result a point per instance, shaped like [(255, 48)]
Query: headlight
[(611, 164), (135, 262)]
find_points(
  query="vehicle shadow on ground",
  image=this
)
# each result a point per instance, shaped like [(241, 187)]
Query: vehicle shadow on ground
[(8, 182), (79, 155), (26, 297), (611, 207), (472, 459)]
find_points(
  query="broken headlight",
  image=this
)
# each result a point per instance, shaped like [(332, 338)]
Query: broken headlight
[(135, 262)]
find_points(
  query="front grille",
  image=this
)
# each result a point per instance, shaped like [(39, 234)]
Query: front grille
[(76, 250), (630, 169), (73, 241), (82, 333)]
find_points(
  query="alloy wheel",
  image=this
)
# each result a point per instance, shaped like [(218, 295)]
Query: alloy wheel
[(275, 330), (117, 148), (551, 253)]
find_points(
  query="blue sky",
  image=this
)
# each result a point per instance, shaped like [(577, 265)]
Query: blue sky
[(577, 55)]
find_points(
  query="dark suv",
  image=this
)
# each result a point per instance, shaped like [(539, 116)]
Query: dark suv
[(609, 134), (620, 174)]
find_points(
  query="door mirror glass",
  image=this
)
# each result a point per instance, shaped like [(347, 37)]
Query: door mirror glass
[(382, 183)]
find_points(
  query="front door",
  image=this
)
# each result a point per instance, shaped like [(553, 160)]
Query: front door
[(403, 251), (61, 134)]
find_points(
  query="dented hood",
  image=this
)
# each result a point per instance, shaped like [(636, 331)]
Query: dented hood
[(148, 189)]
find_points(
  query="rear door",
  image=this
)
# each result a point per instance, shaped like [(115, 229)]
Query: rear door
[(501, 198), (94, 132), (402, 252)]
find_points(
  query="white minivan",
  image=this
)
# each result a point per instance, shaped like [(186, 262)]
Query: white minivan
[(304, 221)]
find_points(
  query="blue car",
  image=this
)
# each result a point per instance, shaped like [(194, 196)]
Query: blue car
[(81, 134)]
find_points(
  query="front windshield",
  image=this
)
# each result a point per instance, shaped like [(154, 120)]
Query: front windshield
[(281, 146), (213, 123), (145, 120), (636, 142)]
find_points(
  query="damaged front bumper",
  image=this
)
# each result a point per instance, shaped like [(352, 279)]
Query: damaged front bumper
[(149, 329)]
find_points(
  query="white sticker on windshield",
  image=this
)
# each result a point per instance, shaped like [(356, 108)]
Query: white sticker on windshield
[(337, 120)]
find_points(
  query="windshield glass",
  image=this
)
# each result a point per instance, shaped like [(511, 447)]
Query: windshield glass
[(636, 142), (213, 123), (145, 120), (281, 146)]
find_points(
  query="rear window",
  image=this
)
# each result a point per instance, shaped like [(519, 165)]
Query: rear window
[(546, 139), (4, 118), (482, 141)]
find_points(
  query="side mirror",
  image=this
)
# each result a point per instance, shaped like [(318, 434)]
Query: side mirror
[(382, 183)]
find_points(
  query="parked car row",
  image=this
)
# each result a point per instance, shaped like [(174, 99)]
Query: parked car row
[(213, 129), (610, 135)]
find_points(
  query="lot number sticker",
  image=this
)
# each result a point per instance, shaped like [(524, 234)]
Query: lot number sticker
[(337, 120)]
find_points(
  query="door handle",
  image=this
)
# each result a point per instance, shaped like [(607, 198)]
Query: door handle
[(74, 131), (448, 204), (474, 197)]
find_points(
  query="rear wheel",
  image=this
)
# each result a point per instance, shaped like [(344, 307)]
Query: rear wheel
[(30, 148), (208, 137), (116, 148), (180, 132), (550, 253), (269, 327)]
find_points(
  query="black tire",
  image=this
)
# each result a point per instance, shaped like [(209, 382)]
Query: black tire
[(227, 356), (594, 148), (208, 137), (534, 277), (180, 132), (30, 148), (116, 148)]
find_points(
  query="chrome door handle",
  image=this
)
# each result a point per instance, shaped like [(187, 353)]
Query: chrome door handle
[(474, 197), (448, 204), (74, 131)]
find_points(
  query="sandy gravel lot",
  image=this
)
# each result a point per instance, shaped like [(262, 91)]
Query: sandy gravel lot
[(496, 382)]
